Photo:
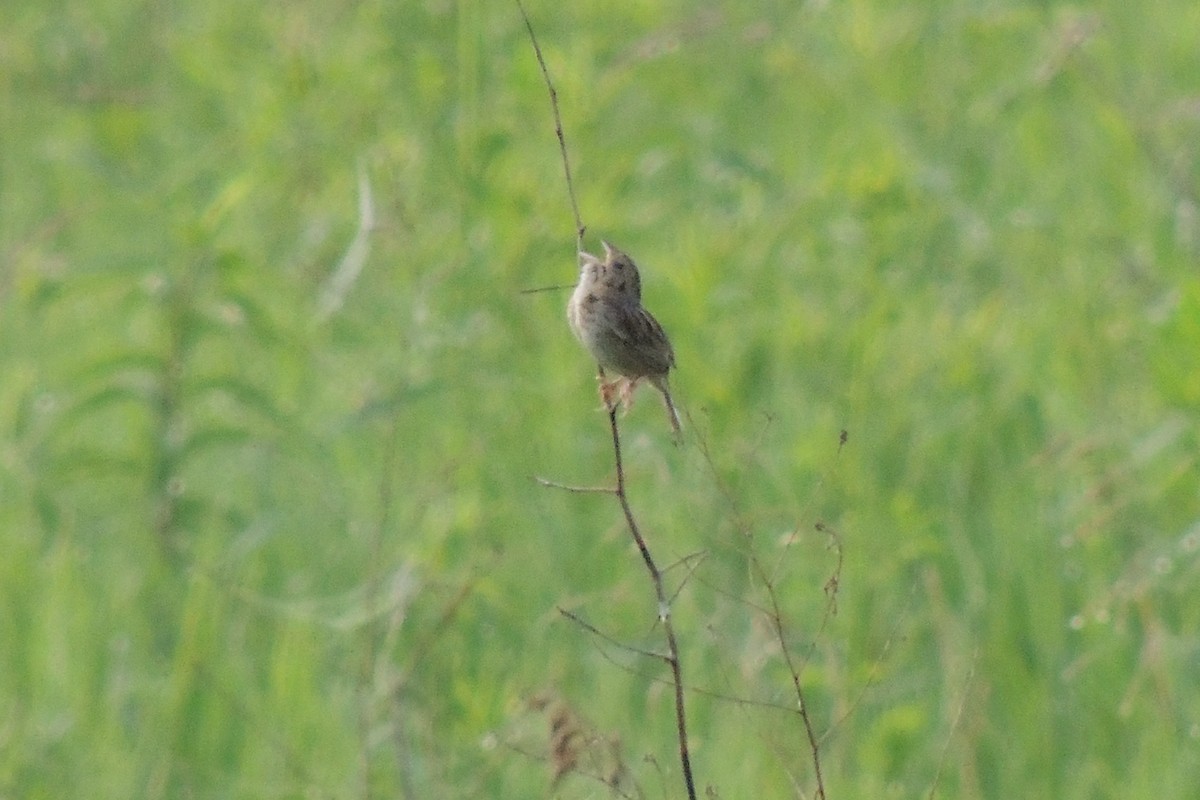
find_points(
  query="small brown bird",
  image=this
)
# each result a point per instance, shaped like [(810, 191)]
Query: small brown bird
[(606, 315)]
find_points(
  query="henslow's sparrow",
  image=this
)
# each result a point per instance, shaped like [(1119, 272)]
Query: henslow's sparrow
[(606, 315)]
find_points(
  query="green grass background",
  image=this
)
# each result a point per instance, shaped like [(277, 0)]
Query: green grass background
[(253, 550)]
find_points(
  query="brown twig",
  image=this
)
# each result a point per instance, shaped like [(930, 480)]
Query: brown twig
[(776, 617), (592, 629), (558, 287), (558, 128), (664, 607), (712, 694), (774, 611), (575, 489)]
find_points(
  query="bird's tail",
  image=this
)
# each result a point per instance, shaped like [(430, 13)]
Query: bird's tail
[(672, 413)]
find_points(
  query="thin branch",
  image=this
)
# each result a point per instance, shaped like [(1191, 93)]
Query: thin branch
[(832, 584), (575, 489), (692, 562), (712, 694), (664, 607), (592, 629), (774, 613), (801, 703), (556, 288), (558, 128)]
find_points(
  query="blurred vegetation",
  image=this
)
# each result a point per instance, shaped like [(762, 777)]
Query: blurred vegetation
[(270, 534)]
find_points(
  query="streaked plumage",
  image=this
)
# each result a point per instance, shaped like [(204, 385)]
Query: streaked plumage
[(607, 316)]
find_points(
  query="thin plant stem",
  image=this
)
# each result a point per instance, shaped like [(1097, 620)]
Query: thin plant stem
[(775, 616), (664, 607), (558, 128)]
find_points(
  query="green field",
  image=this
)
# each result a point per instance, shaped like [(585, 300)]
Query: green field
[(273, 402)]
